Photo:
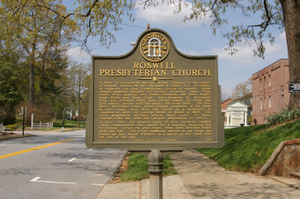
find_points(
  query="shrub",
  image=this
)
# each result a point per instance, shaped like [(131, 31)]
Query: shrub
[(13, 127), (283, 116), (75, 118), (7, 115)]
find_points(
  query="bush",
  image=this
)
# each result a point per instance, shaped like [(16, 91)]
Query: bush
[(7, 115), (13, 127), (249, 119), (283, 116), (75, 118), (9, 120)]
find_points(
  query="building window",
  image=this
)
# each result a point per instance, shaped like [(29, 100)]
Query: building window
[(260, 85), (265, 102), (270, 101), (269, 80), (265, 82), (260, 103)]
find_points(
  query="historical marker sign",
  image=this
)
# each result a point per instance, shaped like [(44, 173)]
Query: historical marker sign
[(155, 97)]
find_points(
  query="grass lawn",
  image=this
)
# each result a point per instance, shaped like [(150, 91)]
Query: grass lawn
[(248, 148), (138, 168)]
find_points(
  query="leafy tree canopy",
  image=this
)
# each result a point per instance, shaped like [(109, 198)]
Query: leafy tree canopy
[(283, 14), (215, 11), (10, 92), (96, 18)]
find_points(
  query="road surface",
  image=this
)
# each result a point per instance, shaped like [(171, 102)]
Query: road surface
[(54, 165)]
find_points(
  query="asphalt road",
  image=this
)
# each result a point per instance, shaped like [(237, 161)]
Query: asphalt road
[(54, 165)]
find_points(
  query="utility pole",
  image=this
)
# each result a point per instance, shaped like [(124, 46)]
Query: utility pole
[(79, 100), (63, 125)]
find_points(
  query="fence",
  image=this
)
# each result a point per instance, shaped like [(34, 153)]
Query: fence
[(40, 125)]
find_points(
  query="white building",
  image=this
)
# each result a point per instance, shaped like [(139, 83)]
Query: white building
[(236, 114)]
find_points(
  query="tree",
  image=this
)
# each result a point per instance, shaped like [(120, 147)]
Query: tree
[(96, 18), (35, 29), (225, 94), (10, 94), (41, 24), (80, 71), (242, 89), (283, 14), (67, 96)]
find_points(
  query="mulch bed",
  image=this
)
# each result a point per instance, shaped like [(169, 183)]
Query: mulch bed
[(7, 134)]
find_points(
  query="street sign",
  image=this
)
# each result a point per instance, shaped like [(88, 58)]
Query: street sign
[(155, 97), (24, 110), (294, 88)]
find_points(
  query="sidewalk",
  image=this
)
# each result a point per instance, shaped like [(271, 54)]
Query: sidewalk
[(200, 177)]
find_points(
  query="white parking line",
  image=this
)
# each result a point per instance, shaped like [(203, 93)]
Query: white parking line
[(99, 174), (98, 184), (35, 179), (50, 182), (72, 159)]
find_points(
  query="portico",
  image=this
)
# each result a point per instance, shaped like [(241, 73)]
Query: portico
[(236, 114)]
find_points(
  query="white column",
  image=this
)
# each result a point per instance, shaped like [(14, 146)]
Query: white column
[(230, 118), (227, 118), (245, 118)]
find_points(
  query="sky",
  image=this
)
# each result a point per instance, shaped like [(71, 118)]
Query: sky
[(191, 38)]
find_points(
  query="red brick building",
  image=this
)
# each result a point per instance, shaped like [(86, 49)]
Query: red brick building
[(270, 90)]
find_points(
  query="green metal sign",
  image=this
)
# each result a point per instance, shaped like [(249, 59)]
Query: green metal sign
[(155, 97)]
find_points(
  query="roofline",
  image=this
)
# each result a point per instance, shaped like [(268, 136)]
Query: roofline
[(270, 65), (237, 102), (226, 100)]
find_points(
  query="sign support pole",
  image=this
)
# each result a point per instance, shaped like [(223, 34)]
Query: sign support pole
[(23, 121), (155, 168)]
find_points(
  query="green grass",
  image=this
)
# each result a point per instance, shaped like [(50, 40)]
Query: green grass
[(248, 148), (138, 168)]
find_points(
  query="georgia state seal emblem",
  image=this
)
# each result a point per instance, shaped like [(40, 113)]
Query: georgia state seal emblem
[(154, 47)]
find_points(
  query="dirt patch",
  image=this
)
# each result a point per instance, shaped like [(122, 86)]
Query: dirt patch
[(122, 168), (7, 134), (11, 135)]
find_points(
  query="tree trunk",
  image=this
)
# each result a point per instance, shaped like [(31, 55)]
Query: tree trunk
[(291, 14), (31, 76), (31, 82), (43, 78)]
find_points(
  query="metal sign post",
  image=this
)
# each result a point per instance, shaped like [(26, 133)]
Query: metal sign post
[(24, 111), (63, 125), (155, 168)]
